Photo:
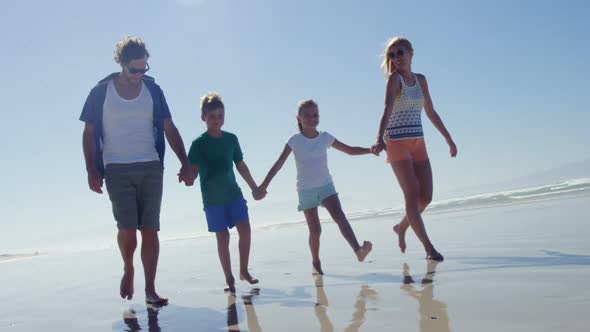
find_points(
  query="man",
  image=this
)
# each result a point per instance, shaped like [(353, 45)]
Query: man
[(126, 119)]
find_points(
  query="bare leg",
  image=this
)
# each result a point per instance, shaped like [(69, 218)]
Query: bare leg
[(127, 241), (150, 252), (224, 258), (332, 204), (406, 176), (315, 230), (244, 247), (423, 173)]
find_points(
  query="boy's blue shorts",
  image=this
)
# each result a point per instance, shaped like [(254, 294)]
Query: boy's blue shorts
[(222, 217)]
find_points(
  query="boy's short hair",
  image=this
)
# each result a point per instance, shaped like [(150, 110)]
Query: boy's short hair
[(130, 48), (211, 101)]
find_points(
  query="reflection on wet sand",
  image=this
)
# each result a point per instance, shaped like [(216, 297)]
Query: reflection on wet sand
[(433, 313), (130, 319), (233, 323), (321, 307)]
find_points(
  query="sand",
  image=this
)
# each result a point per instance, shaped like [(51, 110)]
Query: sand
[(511, 268)]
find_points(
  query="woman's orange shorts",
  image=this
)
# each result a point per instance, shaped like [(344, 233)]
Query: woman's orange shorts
[(406, 149)]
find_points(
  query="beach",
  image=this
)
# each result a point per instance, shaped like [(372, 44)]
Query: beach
[(512, 267)]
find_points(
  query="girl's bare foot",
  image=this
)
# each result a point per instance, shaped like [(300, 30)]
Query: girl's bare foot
[(401, 238), (126, 289), (317, 268), (231, 285), (247, 277), (364, 250)]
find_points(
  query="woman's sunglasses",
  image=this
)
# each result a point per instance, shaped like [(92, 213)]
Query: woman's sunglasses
[(399, 53), (139, 71)]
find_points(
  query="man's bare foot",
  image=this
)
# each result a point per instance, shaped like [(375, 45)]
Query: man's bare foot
[(364, 250), (317, 268), (153, 298), (401, 238), (126, 289), (247, 277)]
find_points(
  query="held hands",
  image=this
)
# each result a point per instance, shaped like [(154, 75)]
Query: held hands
[(259, 193), (186, 175), (95, 180), (377, 147)]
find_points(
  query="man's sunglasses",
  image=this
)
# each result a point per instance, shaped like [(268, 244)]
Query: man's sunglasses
[(399, 53), (139, 71)]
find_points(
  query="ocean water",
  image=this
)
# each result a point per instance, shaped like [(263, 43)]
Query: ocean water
[(81, 239)]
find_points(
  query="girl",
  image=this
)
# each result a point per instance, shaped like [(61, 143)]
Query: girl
[(400, 133), (314, 183)]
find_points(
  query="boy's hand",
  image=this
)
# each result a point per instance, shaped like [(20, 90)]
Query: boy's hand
[(259, 193), (186, 174)]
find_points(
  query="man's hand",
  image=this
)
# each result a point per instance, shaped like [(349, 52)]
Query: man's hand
[(95, 180), (186, 175)]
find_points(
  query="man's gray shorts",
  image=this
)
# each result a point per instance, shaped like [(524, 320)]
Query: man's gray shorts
[(135, 191)]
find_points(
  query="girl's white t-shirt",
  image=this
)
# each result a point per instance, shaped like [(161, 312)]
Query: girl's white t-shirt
[(311, 159)]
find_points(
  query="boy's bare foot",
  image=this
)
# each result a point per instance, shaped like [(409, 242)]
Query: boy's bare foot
[(364, 250), (317, 268), (247, 277), (401, 238), (407, 276), (231, 285), (126, 290), (154, 299)]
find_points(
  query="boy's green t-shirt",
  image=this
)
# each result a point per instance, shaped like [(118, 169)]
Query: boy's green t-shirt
[(215, 158)]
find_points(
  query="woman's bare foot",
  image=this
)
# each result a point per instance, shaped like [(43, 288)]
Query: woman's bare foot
[(401, 238), (154, 299), (317, 268), (435, 256), (364, 250), (126, 289), (247, 277)]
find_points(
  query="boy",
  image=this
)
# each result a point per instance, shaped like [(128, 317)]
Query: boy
[(211, 156)]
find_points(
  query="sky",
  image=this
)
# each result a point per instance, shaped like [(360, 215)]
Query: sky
[(508, 78)]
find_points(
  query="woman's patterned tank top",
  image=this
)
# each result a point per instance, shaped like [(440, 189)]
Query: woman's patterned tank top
[(405, 121)]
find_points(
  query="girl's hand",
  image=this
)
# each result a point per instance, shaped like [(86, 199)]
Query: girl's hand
[(259, 193), (453, 148)]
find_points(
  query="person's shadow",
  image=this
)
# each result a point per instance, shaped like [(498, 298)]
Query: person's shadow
[(321, 307), (433, 313), (233, 323)]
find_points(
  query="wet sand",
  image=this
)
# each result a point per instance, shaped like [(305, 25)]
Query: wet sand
[(510, 268)]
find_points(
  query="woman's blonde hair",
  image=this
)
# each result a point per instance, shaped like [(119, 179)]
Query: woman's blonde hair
[(387, 67), (301, 106)]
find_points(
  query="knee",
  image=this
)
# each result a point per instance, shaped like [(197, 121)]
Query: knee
[(222, 237), (412, 200), (149, 235), (425, 201), (243, 228), (315, 231)]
